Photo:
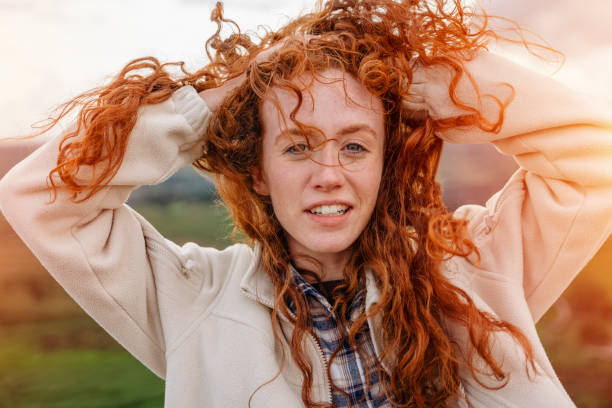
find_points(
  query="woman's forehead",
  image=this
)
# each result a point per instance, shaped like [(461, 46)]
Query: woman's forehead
[(329, 89), (334, 105)]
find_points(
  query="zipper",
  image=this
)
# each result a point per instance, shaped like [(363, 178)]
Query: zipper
[(314, 340), (322, 355)]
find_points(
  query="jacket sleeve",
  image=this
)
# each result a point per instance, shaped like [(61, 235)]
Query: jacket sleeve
[(114, 264), (555, 212)]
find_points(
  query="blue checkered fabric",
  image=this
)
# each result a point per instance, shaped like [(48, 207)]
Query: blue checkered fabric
[(347, 369)]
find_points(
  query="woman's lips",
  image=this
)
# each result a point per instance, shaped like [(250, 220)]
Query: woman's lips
[(329, 220)]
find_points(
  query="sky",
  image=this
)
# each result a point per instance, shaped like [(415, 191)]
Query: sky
[(581, 30), (53, 50)]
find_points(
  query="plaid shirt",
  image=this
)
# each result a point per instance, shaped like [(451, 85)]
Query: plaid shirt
[(347, 370)]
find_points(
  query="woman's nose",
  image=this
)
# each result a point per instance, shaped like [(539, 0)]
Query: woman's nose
[(328, 173)]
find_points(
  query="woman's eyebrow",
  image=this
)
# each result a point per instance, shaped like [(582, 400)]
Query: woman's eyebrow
[(288, 132), (355, 128), (358, 127)]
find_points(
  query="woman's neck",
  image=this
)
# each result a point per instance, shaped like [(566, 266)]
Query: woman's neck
[(328, 266)]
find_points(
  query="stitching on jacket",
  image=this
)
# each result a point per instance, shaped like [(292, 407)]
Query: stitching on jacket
[(208, 310), (244, 323)]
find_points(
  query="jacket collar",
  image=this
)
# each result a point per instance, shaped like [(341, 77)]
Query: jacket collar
[(257, 285)]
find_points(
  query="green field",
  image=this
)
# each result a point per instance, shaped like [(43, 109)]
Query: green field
[(71, 363), (205, 223), (53, 355)]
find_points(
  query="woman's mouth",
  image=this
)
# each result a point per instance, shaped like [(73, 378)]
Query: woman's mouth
[(329, 210)]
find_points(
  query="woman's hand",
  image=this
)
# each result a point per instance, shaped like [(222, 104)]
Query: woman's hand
[(431, 84), (214, 96)]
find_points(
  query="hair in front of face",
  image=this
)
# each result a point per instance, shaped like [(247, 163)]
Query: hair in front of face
[(410, 232)]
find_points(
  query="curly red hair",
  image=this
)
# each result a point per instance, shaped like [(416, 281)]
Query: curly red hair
[(410, 233)]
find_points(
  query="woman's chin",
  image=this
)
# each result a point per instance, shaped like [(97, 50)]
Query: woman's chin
[(324, 245)]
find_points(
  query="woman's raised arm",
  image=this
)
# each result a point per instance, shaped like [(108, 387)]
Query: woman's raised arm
[(555, 212), (115, 265)]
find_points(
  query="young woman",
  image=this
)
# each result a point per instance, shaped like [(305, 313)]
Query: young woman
[(356, 287)]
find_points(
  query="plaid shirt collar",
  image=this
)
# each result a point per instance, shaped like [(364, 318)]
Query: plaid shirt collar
[(309, 290), (257, 285), (347, 369)]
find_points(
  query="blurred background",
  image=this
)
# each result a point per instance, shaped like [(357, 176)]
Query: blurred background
[(53, 355)]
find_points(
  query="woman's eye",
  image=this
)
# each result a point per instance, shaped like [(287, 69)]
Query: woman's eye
[(297, 148), (354, 148)]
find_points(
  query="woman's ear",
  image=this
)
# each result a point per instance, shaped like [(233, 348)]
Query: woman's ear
[(259, 182)]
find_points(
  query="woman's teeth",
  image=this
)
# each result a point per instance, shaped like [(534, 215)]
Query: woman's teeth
[(329, 210)]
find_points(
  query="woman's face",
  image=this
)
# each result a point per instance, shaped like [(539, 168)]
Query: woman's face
[(323, 206)]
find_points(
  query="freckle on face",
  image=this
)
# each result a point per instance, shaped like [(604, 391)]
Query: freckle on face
[(296, 184)]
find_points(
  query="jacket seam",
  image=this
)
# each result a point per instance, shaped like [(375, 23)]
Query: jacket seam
[(205, 313), (243, 323)]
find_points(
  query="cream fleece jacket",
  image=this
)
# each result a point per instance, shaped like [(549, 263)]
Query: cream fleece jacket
[(200, 318)]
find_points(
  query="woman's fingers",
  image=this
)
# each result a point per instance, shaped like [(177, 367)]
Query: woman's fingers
[(415, 99), (214, 96)]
